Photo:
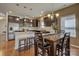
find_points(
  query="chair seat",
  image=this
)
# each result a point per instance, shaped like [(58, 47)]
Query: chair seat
[(45, 46)]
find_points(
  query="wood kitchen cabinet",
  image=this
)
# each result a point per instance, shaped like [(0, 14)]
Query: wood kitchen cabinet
[(47, 21), (35, 22)]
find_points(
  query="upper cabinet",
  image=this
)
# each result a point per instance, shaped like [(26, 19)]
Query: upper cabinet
[(13, 19), (35, 22), (24, 22), (47, 21)]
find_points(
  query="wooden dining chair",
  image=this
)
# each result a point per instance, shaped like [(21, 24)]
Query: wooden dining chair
[(67, 44), (42, 47), (63, 45), (59, 47)]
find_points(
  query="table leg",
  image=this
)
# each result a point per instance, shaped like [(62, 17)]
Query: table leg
[(53, 49)]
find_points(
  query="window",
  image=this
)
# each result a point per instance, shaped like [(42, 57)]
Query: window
[(68, 23)]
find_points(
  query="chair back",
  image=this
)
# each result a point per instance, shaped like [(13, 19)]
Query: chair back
[(38, 42), (39, 38), (41, 45), (67, 44), (67, 38)]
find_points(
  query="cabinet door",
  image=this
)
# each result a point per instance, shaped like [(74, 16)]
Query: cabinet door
[(35, 23), (47, 21)]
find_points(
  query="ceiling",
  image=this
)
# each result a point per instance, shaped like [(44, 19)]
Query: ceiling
[(31, 9)]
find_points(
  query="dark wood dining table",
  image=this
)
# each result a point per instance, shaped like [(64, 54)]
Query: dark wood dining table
[(53, 39)]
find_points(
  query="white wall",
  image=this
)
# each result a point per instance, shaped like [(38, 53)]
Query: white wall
[(2, 29), (2, 25)]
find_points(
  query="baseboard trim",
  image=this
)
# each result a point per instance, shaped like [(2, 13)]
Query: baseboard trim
[(75, 46)]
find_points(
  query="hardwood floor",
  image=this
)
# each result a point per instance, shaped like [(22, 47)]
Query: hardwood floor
[(7, 49), (74, 51)]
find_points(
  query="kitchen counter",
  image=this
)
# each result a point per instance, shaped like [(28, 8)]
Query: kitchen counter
[(22, 35)]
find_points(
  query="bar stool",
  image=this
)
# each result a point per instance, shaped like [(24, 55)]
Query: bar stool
[(30, 42), (30, 38), (23, 44)]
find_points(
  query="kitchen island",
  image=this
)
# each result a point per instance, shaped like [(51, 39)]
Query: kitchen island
[(22, 35)]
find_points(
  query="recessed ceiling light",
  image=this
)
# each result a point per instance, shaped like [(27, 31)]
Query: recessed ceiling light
[(25, 7), (17, 4), (30, 8), (64, 4)]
